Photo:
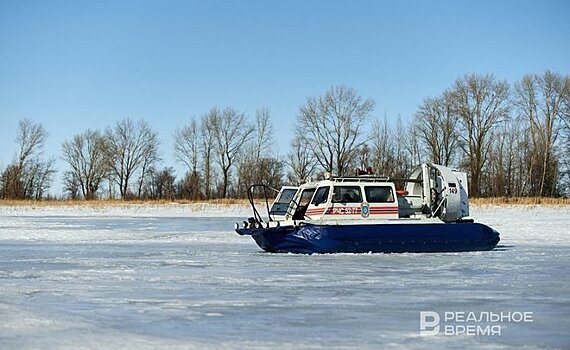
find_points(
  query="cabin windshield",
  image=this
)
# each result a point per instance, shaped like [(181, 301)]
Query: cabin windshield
[(347, 194), (282, 202)]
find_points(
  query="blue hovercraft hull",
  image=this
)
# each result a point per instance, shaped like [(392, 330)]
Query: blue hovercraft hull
[(380, 238)]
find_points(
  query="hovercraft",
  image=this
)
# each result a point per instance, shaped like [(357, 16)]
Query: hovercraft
[(366, 213)]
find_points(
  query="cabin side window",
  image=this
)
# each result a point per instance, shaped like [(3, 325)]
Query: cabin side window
[(379, 194), (347, 194), (321, 196), (306, 197)]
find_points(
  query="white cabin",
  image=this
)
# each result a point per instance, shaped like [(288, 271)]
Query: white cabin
[(431, 191)]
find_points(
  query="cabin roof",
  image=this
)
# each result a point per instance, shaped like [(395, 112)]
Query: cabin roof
[(363, 178), (348, 181)]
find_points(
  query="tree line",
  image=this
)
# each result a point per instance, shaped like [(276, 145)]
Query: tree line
[(511, 139)]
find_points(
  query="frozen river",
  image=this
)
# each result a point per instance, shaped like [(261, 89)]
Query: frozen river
[(179, 277)]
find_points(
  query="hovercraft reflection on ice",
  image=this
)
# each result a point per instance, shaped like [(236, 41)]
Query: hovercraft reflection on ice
[(366, 214)]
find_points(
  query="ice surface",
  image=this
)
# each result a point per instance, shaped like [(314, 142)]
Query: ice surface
[(140, 277)]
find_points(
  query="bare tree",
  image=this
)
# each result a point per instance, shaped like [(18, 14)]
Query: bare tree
[(394, 151), (148, 166), (381, 149), (71, 185), (496, 177), (415, 154), (189, 187), (12, 185), (301, 162), (31, 140), (232, 131), (256, 163), (481, 102), (565, 159), (263, 134), (190, 143), (508, 157), (42, 177), (437, 127), (268, 171), (132, 150), (541, 99), (187, 145), (28, 177), (333, 125), (86, 155), (159, 185), (401, 163), (208, 128)]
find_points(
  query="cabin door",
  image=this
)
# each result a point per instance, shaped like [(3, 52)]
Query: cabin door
[(319, 203)]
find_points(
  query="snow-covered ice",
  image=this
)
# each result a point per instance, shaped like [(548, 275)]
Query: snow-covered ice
[(177, 276)]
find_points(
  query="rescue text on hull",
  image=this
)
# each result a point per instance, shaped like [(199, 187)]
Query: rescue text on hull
[(366, 214)]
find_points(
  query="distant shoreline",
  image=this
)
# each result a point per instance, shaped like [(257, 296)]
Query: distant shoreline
[(116, 202), (546, 201)]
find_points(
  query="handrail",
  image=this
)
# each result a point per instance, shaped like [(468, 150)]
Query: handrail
[(360, 178), (291, 208), (373, 179), (250, 196)]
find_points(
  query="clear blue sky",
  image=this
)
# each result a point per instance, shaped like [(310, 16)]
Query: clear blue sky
[(73, 65)]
